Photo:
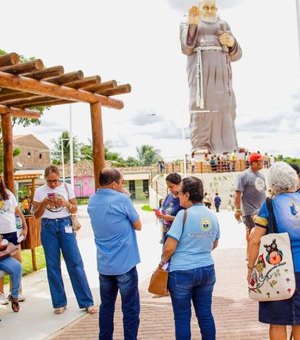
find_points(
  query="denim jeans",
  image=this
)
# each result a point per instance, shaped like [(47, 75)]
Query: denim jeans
[(128, 285), (57, 235), (194, 285), (14, 268)]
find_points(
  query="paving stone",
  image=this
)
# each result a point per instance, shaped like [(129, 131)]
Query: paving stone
[(236, 316)]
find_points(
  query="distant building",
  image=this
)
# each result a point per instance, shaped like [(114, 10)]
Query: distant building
[(137, 179), (34, 155)]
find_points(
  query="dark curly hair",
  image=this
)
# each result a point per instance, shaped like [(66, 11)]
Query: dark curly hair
[(173, 178), (194, 187)]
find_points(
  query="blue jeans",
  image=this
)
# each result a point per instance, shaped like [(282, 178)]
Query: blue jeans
[(14, 268), (57, 235), (128, 285), (193, 285)]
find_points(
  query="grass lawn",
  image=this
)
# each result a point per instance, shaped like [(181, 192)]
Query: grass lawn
[(146, 207), (27, 263)]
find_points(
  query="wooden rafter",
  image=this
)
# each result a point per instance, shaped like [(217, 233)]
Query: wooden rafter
[(19, 113), (29, 84), (44, 88)]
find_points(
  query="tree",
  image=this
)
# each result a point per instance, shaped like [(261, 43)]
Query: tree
[(86, 153), (27, 121), (147, 155), (63, 145), (20, 121), (131, 161)]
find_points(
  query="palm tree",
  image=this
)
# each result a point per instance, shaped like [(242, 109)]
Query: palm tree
[(63, 144), (147, 155)]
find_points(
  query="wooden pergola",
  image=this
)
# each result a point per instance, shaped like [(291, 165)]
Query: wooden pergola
[(25, 85)]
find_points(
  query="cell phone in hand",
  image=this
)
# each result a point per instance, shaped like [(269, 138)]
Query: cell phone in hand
[(157, 212)]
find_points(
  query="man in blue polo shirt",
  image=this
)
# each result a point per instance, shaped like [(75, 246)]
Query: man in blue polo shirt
[(114, 221)]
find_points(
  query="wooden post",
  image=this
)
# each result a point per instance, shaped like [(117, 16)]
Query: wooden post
[(8, 165), (98, 144), (32, 189)]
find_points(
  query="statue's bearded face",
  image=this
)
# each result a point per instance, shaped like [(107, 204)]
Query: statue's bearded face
[(208, 9)]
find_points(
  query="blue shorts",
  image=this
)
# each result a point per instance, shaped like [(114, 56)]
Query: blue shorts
[(285, 312), (11, 237)]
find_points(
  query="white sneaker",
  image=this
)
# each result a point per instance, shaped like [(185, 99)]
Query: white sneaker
[(21, 298), (3, 299)]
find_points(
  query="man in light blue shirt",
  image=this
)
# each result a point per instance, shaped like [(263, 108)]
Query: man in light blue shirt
[(114, 221)]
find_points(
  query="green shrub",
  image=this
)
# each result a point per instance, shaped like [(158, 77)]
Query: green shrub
[(146, 207)]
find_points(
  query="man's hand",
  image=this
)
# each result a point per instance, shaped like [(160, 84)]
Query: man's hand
[(238, 215), (226, 39), (194, 15)]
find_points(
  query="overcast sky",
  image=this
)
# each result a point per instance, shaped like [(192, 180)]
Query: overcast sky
[(137, 42)]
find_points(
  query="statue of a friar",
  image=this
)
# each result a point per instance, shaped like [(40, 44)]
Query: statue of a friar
[(210, 46)]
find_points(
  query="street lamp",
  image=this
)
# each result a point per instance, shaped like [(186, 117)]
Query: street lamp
[(71, 148), (61, 140), (298, 23), (63, 159)]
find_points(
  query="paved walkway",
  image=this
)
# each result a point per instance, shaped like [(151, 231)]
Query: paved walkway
[(235, 314)]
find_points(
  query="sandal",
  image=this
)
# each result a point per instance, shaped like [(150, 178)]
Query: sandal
[(59, 310), (91, 309), (14, 303)]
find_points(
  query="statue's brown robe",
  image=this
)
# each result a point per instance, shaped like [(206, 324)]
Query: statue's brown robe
[(213, 130)]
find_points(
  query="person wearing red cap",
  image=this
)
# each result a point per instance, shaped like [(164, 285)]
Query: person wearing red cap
[(250, 192)]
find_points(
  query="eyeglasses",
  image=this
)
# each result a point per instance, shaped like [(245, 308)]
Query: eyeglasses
[(52, 181)]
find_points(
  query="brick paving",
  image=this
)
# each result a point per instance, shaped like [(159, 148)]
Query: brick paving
[(235, 314)]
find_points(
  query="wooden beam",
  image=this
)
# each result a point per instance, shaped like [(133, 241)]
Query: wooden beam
[(45, 73), (15, 95), (103, 86), (98, 143), (65, 78), (83, 83), (33, 65), (121, 89), (51, 72), (52, 90), (19, 113), (51, 102), (9, 59), (7, 91), (33, 100), (8, 164)]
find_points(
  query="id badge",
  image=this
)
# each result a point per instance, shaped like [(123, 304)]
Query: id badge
[(68, 229)]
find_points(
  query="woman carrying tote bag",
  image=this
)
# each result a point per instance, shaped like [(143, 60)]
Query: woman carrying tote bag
[(284, 182)]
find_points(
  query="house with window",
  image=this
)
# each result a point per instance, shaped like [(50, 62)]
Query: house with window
[(136, 179), (34, 154)]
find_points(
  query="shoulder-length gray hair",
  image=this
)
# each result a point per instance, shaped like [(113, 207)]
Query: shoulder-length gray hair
[(282, 178)]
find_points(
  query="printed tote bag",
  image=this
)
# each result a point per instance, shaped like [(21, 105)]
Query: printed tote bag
[(273, 275)]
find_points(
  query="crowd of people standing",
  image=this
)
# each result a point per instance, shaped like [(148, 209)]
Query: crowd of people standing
[(186, 249)]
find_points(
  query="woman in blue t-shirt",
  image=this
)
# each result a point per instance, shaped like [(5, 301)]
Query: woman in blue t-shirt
[(284, 182), (189, 244)]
